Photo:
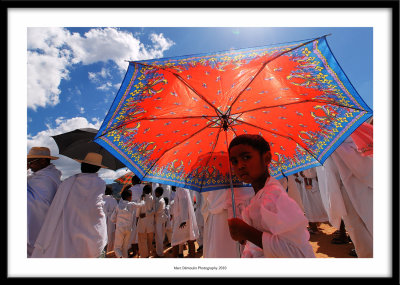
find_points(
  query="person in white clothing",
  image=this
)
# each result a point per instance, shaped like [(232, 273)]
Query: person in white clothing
[(311, 198), (75, 225), (346, 183), (137, 190), (42, 186), (216, 238), (124, 218), (168, 223), (273, 225), (145, 225), (159, 220), (293, 188), (198, 203), (110, 203), (184, 225)]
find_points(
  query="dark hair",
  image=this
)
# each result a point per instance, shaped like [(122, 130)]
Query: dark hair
[(255, 141), (109, 190), (89, 168), (147, 189), (166, 200), (126, 193), (159, 190), (173, 188), (135, 180)]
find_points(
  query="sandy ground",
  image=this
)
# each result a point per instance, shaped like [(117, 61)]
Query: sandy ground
[(320, 241)]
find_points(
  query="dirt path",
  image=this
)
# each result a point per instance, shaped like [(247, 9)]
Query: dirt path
[(321, 243)]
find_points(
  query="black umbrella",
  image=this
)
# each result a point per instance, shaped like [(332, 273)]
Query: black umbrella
[(76, 144)]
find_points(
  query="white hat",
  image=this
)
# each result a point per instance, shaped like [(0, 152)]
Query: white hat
[(40, 152), (93, 159)]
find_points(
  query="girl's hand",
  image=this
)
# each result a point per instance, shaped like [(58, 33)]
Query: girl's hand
[(238, 229), (241, 232)]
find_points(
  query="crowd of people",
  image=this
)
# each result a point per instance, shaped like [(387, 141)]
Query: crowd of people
[(80, 217)]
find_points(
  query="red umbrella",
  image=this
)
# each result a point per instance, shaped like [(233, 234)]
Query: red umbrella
[(169, 112), (125, 179), (363, 138)]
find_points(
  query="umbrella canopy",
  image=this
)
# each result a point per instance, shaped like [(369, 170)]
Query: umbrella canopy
[(77, 143), (169, 112), (125, 179)]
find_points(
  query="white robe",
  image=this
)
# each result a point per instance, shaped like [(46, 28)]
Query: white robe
[(293, 189), (199, 216), (123, 216), (137, 191), (110, 203), (42, 186), (282, 222), (348, 177), (146, 224), (75, 225), (183, 212), (168, 224), (311, 198), (217, 242), (159, 220)]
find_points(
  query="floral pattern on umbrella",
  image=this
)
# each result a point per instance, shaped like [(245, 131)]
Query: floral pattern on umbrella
[(169, 112)]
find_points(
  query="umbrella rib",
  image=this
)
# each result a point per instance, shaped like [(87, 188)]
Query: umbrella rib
[(173, 148), (287, 137), (298, 102), (219, 113), (263, 66), (201, 185)]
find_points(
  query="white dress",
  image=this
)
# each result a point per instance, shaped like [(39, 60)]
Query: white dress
[(146, 224), (346, 180), (217, 242), (199, 216), (75, 225), (160, 218), (42, 186), (293, 189), (110, 203), (282, 222), (123, 216), (183, 212), (311, 198), (137, 191)]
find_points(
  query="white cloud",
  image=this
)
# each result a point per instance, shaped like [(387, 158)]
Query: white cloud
[(161, 44), (104, 73), (104, 87), (67, 165), (44, 76), (52, 51)]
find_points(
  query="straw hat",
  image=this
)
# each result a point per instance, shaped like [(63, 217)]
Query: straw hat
[(40, 152), (93, 159)]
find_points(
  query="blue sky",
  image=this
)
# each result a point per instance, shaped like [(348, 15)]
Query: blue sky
[(74, 73)]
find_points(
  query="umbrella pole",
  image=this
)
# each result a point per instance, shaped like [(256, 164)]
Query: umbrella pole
[(232, 192), (230, 178)]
